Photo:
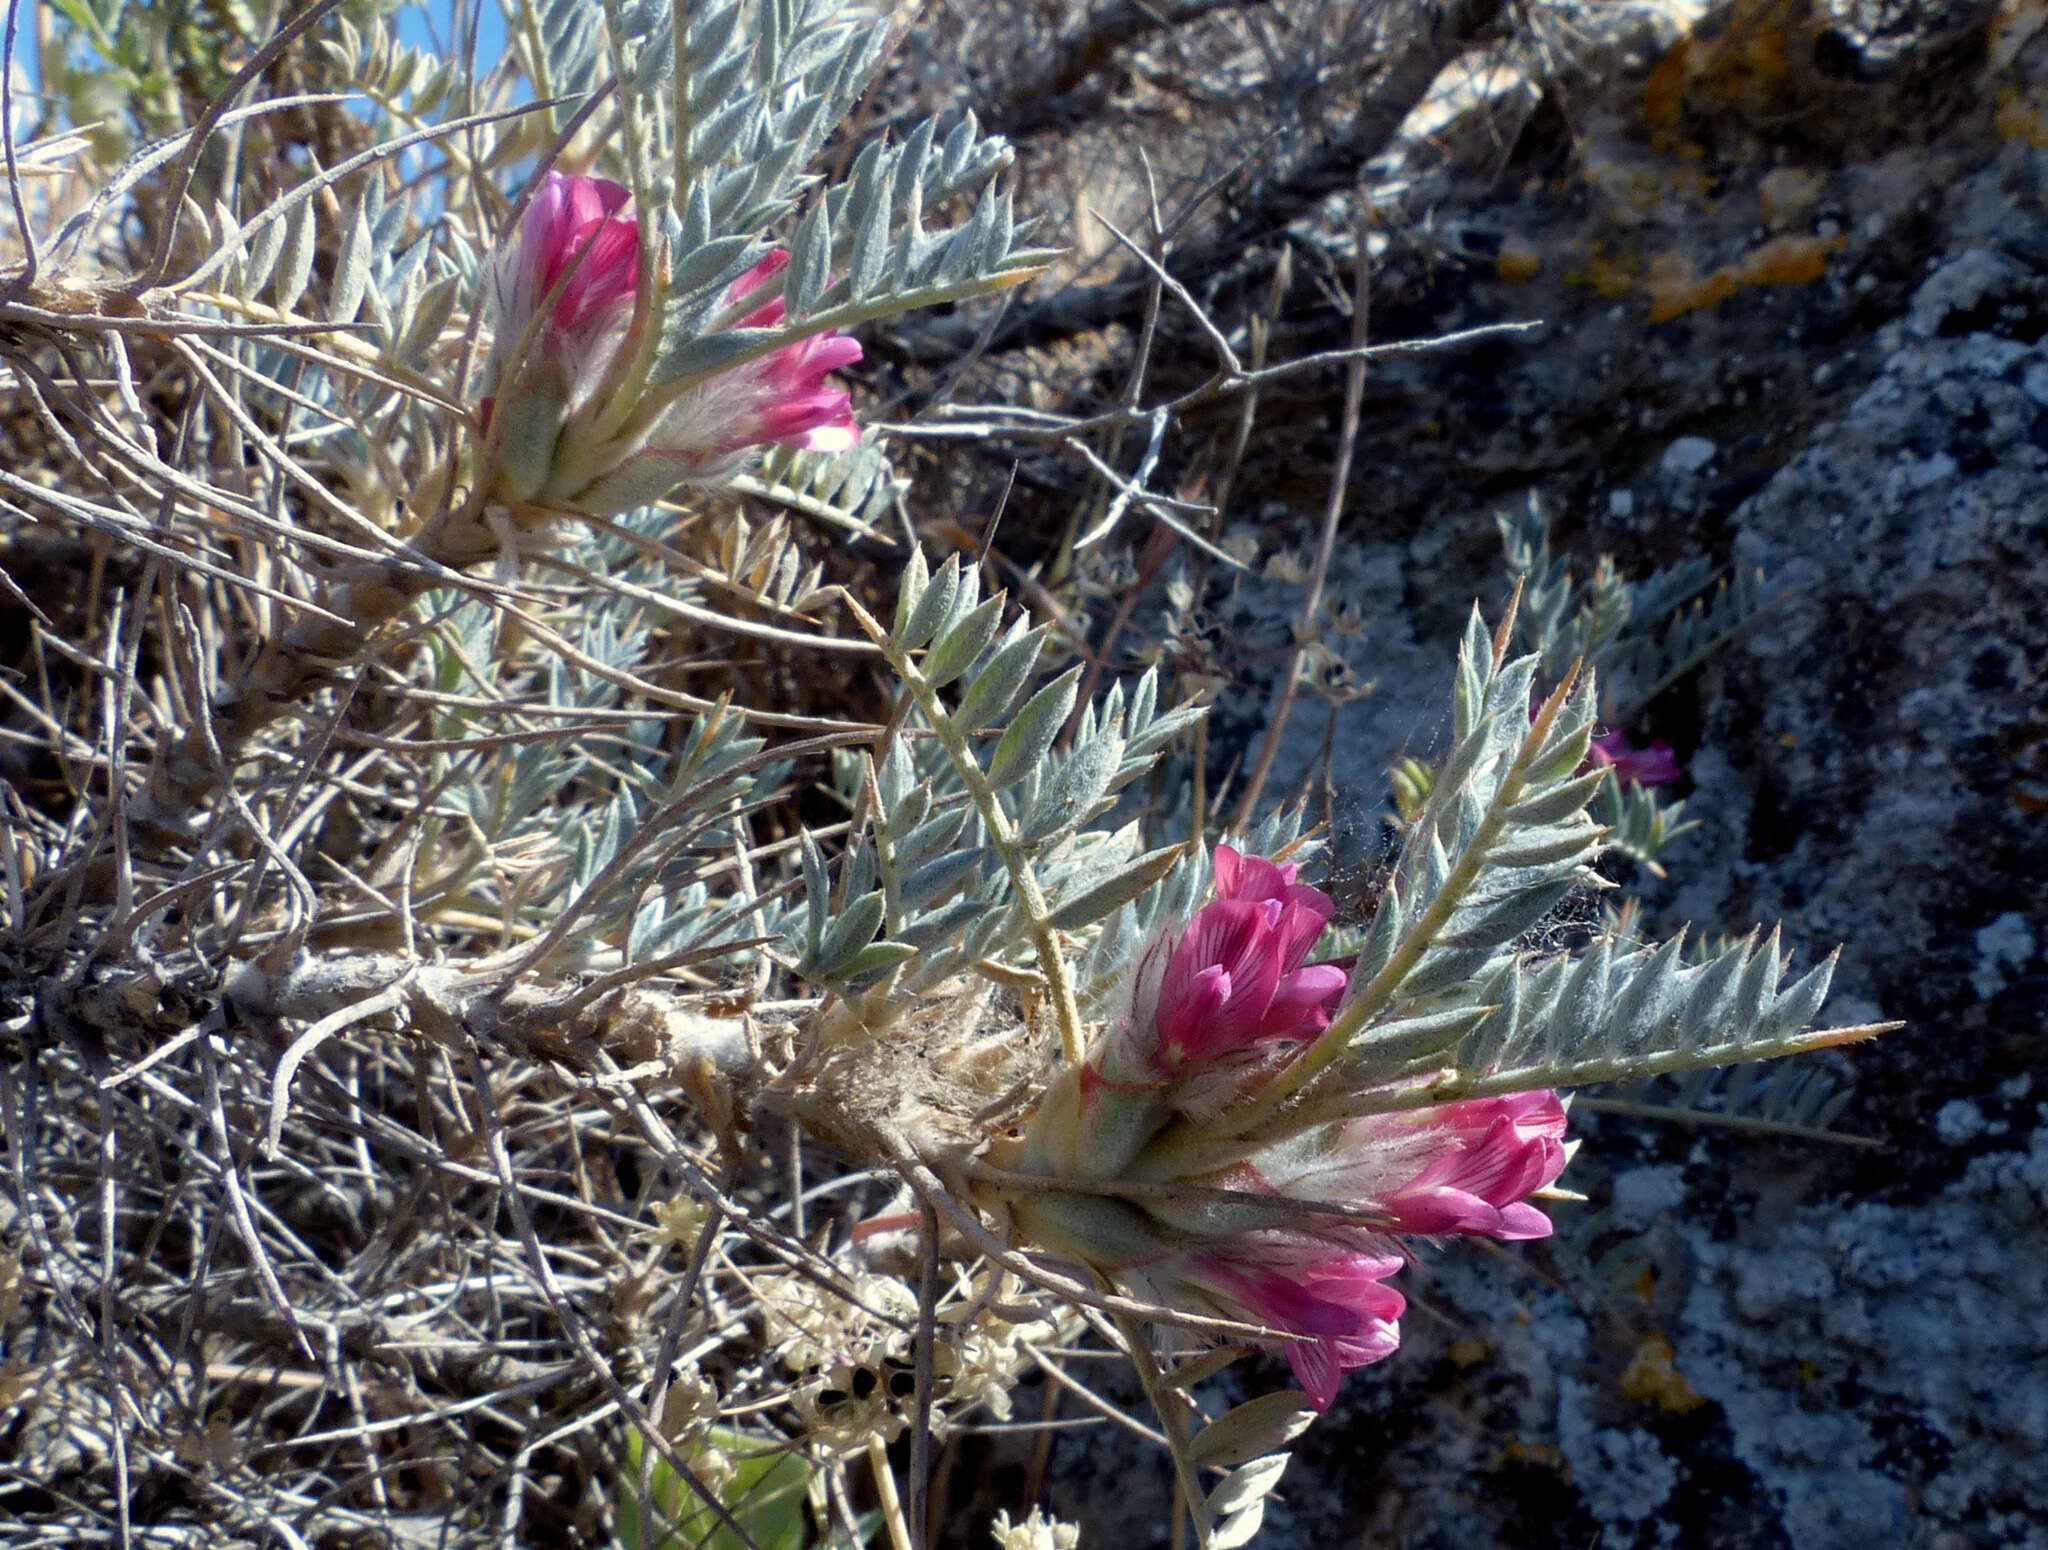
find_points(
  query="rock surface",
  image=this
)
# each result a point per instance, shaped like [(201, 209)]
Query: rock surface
[(1745, 1341)]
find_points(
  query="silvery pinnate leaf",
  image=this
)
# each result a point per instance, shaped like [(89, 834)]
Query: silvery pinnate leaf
[(937, 878), (962, 641), (1072, 791), (1261, 1426), (1027, 739), (873, 961), (993, 692), (923, 611), (352, 267), (817, 894), (295, 266), (1248, 1483), (1104, 898), (845, 937), (938, 833), (942, 925)]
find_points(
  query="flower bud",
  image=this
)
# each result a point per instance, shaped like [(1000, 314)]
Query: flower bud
[(575, 426), (1235, 977)]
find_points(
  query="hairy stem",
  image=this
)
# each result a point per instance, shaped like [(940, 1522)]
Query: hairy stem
[(1030, 897)]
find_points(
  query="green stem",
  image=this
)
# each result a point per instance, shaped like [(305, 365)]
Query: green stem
[(1173, 1420), (1030, 897)]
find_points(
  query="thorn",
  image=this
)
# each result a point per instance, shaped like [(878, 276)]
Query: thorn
[(1505, 631)]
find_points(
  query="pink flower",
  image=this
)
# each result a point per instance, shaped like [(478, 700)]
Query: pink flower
[(583, 430), (1235, 977), (1656, 765), (1336, 1297), (1456, 1168), (1489, 1154), (803, 411), (575, 234), (577, 227)]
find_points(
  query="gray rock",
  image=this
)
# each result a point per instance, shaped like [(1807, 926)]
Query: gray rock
[(1962, 287), (1687, 455)]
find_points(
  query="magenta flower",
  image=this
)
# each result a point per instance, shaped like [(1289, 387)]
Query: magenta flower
[(1336, 1297), (1457, 1168), (1235, 977), (1655, 765), (1240, 1227), (583, 430), (1489, 1155), (575, 235), (802, 411)]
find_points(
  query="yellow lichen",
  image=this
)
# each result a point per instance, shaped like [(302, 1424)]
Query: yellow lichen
[(1652, 1377), (2020, 116), (1609, 277), (1786, 261), (1518, 261), (1675, 286), (1788, 193), (1468, 1352)]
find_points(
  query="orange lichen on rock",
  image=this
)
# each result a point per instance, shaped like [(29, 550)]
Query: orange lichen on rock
[(1518, 262), (1741, 59), (1652, 1377), (1468, 1352), (2020, 116), (1610, 277), (1786, 261), (1664, 91), (1676, 287), (1541, 1455), (1788, 193)]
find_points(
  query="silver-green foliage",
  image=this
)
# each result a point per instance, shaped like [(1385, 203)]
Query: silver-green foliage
[(720, 112), (1639, 823), (1643, 636), (726, 107), (1453, 997), (617, 826), (852, 490), (1784, 1098), (981, 831)]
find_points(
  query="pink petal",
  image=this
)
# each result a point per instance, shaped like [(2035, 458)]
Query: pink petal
[(1227, 864), (607, 272), (1522, 1221), (1337, 1298), (1432, 1213), (836, 437), (1301, 1002), (1656, 765), (1237, 938), (1185, 1008), (1316, 1369), (1494, 1153), (773, 262), (1303, 914), (1252, 877)]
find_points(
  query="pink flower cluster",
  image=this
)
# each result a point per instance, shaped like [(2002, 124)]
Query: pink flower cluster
[(1460, 1168), (1213, 1008), (583, 430)]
